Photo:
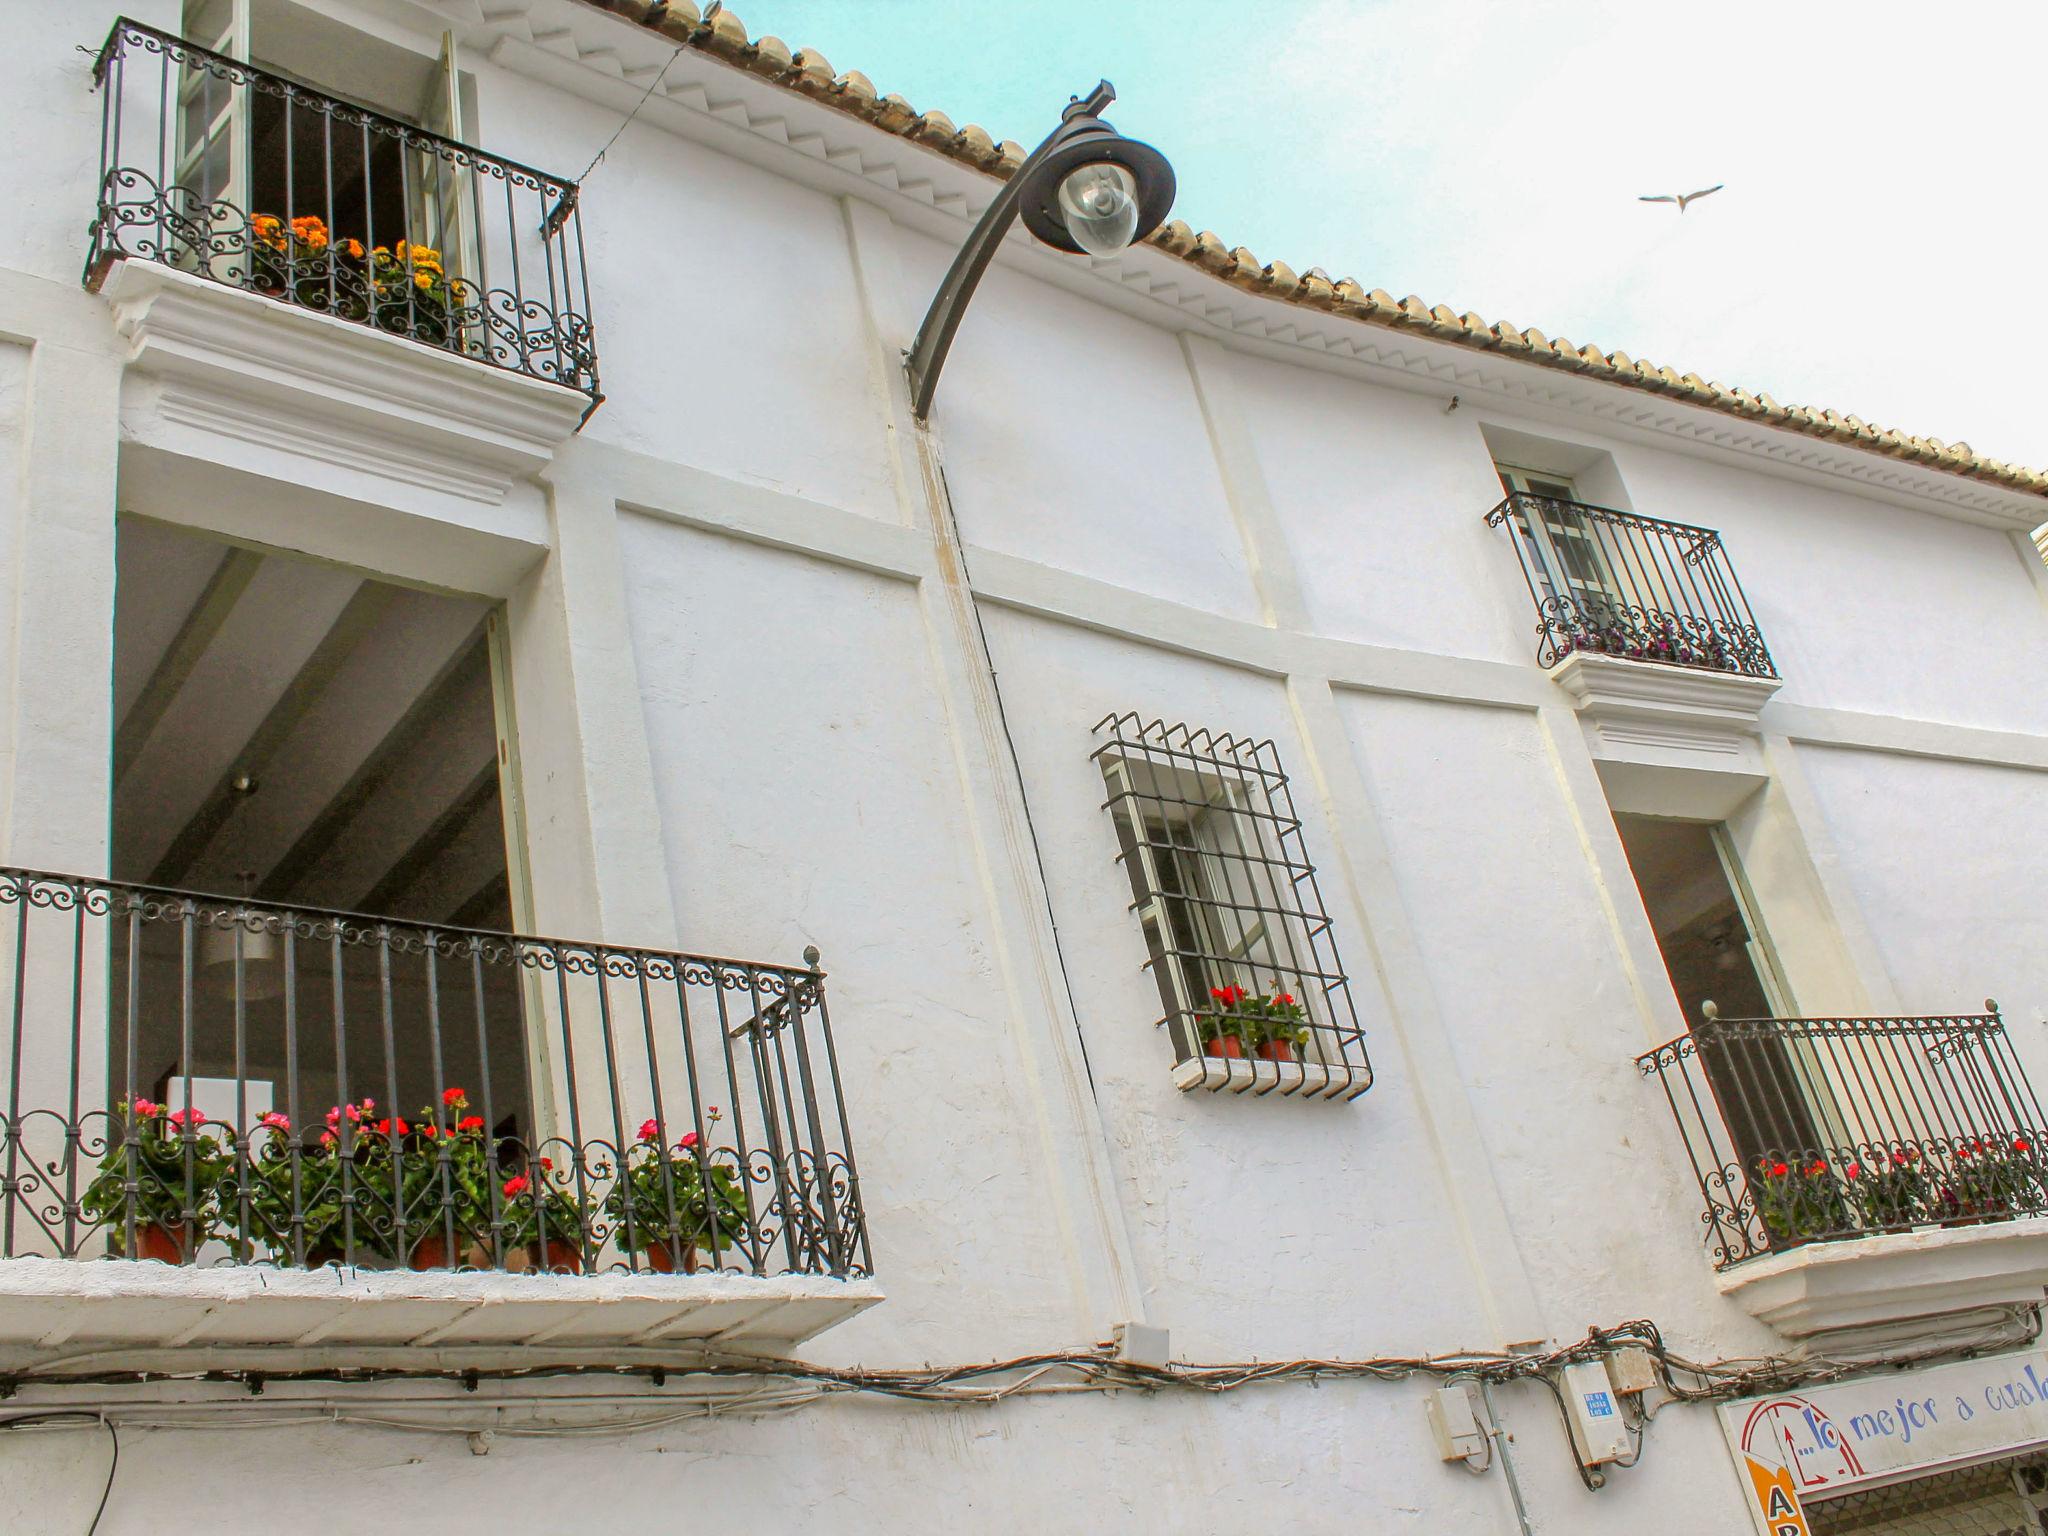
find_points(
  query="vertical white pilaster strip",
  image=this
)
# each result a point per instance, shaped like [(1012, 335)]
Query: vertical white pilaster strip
[(591, 808), (1365, 864), (1073, 1141)]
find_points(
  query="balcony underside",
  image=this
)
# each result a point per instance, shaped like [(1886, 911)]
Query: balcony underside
[(1872, 1282), (112, 1313)]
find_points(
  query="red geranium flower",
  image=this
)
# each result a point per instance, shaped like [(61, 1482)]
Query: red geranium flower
[(649, 1131), (2021, 1144), (470, 1123), (1285, 999), (516, 1186), (454, 1097), (689, 1140), (1779, 1170), (384, 1127)]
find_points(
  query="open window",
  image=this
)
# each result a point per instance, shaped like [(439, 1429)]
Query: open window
[(298, 743), (1252, 990)]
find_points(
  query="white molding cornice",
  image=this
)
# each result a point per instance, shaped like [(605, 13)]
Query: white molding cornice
[(251, 369), (606, 59)]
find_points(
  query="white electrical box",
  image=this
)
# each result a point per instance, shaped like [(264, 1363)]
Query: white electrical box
[(1454, 1420), (1632, 1370), (1599, 1432)]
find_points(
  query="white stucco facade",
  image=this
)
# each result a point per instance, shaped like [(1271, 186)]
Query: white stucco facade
[(791, 668)]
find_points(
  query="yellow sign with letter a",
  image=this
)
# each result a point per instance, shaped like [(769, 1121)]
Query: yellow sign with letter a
[(1776, 1499)]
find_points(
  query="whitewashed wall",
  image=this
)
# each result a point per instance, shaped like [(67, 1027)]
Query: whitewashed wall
[(755, 714)]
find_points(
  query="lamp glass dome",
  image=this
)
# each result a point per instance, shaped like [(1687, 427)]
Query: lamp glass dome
[(1099, 205)]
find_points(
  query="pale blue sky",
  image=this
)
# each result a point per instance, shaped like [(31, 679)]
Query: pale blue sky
[(1879, 247)]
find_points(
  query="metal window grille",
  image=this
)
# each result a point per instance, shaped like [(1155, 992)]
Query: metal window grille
[(248, 178), (382, 1094), (1622, 585), (1809, 1130), (1254, 995)]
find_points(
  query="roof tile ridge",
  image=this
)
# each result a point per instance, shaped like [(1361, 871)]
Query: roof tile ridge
[(808, 72)]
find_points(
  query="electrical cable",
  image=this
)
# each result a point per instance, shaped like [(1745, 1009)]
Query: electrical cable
[(24, 1420)]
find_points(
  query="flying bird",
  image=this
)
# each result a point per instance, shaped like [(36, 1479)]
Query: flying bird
[(1685, 197)]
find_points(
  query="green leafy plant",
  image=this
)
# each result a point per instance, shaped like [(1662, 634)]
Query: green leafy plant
[(1993, 1180), (1257, 1019), (1890, 1192), (675, 1197), (1802, 1201), (158, 1154)]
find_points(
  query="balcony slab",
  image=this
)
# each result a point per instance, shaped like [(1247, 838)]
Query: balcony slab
[(264, 385), (55, 1312), (1871, 1282), (1669, 740)]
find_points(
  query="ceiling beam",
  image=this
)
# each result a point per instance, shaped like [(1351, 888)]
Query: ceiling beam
[(490, 907), (479, 796), (224, 588), (357, 621), (400, 743)]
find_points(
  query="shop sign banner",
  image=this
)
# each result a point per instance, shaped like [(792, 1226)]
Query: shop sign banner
[(1829, 1439)]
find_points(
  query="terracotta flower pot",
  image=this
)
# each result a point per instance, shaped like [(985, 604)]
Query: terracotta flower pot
[(1224, 1045), (433, 1252), (663, 1262), (162, 1241), (556, 1257), (1276, 1050)]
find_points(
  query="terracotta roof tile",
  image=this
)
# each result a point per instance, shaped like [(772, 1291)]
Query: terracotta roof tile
[(725, 36)]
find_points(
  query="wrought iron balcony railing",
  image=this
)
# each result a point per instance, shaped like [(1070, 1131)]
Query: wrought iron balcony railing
[(1808, 1130), (232, 173), (1621, 585), (202, 1079)]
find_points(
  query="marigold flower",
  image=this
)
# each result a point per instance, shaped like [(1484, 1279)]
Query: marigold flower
[(516, 1186), (422, 280), (353, 249), (649, 1131)]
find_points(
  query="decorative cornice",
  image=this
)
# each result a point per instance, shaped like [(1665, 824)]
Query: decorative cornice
[(261, 371), (1549, 370)]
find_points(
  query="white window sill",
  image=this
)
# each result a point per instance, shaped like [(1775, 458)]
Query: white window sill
[(1235, 1074), (57, 1310)]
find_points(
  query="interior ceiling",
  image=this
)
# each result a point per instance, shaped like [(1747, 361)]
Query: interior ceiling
[(1676, 869), (360, 710)]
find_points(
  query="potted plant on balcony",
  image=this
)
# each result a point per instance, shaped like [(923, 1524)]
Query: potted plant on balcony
[(157, 1188), (282, 1195), (1890, 1191), (543, 1220), (670, 1200), (1800, 1201), (1987, 1182)]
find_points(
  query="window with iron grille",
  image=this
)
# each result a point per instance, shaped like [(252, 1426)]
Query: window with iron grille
[(1254, 996)]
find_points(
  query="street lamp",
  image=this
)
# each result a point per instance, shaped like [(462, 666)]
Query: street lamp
[(1087, 189)]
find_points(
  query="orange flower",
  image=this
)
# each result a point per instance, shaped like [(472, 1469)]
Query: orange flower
[(353, 248), (311, 230)]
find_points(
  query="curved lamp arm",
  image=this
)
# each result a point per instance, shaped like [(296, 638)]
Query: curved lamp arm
[(927, 354)]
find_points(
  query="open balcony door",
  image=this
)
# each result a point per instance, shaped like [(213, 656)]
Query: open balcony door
[(443, 189), (213, 141)]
